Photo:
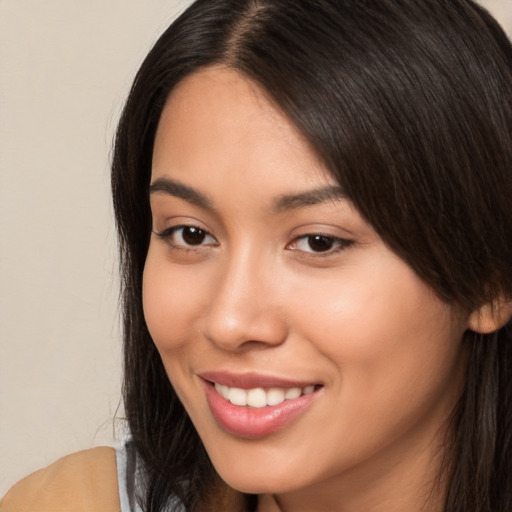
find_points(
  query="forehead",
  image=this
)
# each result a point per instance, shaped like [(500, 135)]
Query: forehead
[(221, 127)]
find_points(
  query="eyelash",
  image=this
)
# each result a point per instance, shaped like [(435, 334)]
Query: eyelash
[(340, 244), (167, 235)]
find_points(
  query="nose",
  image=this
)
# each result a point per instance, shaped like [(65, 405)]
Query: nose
[(245, 309)]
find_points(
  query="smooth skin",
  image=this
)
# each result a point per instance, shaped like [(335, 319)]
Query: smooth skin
[(236, 281)]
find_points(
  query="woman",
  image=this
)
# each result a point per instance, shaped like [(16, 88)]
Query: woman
[(313, 204)]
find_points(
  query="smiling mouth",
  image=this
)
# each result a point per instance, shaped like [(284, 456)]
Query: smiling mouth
[(252, 407), (260, 397)]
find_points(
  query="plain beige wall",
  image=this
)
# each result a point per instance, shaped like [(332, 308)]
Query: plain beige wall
[(65, 67)]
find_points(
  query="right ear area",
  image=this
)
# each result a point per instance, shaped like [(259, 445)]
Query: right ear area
[(491, 316)]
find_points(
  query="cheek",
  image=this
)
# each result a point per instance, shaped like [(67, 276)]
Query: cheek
[(394, 353), (171, 301), (383, 328)]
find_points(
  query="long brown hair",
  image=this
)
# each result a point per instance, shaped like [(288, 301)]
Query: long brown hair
[(409, 104)]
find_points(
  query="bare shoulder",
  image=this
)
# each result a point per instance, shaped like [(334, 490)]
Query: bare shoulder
[(82, 481)]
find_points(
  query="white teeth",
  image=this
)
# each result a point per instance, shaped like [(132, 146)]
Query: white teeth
[(275, 396), (258, 397), (222, 390), (292, 393), (238, 396)]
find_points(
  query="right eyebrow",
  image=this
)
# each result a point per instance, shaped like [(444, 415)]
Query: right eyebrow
[(177, 189), (309, 198)]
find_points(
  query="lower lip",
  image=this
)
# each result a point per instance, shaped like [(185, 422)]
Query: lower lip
[(251, 422)]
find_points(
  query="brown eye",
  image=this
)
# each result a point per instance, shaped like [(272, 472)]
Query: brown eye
[(320, 243), (192, 235), (187, 236)]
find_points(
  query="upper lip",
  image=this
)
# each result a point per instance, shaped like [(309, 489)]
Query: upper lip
[(252, 380)]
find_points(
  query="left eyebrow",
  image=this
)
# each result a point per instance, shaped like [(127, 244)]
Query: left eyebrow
[(310, 198)]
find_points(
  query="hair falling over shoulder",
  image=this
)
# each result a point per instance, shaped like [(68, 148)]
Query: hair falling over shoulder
[(409, 104)]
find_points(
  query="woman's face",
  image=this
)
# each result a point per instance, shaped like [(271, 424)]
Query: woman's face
[(263, 284)]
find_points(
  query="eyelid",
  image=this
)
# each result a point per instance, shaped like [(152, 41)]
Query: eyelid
[(167, 234), (341, 244)]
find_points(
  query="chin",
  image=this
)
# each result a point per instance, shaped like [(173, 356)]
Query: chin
[(260, 480), (249, 485)]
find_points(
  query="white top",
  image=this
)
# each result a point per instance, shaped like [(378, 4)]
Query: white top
[(129, 480), (126, 477)]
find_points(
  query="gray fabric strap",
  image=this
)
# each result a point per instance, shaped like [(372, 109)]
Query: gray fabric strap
[(126, 475)]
